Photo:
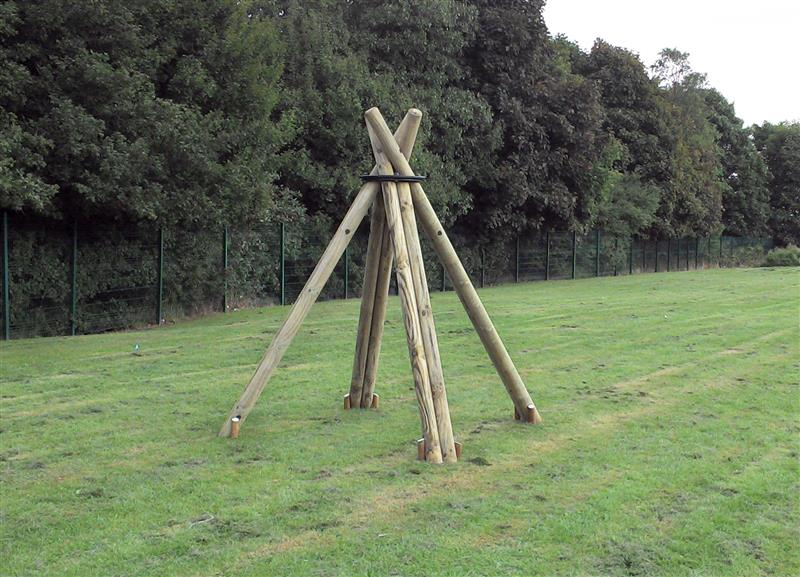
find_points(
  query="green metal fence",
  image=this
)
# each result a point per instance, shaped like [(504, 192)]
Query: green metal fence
[(62, 279)]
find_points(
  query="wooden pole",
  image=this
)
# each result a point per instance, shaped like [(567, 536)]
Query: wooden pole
[(458, 276), (378, 318), (405, 285), (314, 285), (427, 325), (374, 246), (383, 277)]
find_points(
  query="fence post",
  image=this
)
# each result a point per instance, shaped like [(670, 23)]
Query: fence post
[(644, 255), (73, 309), (656, 268), (283, 264), (574, 252), (630, 257), (483, 267), (669, 254), (597, 252), (732, 261), (159, 302), (616, 248), (708, 254), (225, 269), (547, 257), (346, 275), (6, 299), (719, 260), (516, 263)]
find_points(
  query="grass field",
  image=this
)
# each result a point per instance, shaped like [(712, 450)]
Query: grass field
[(670, 443)]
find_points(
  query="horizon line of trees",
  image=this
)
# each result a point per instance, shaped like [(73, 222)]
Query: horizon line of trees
[(196, 113)]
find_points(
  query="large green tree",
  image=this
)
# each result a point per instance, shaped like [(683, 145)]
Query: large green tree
[(548, 119), (745, 196), (691, 202), (779, 144), (144, 110)]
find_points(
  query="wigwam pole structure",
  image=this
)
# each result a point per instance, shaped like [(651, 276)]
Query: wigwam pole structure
[(314, 285), (461, 282), (394, 237)]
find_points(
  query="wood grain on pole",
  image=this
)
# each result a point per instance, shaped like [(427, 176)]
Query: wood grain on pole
[(372, 265), (378, 317), (314, 285), (463, 286), (378, 293), (427, 325), (405, 284)]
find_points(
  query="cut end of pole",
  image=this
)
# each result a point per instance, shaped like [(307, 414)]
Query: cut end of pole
[(533, 415), (235, 421), (414, 112), (420, 449), (373, 113), (458, 450), (376, 401), (347, 402)]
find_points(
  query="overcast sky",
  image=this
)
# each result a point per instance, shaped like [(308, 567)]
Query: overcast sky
[(749, 50)]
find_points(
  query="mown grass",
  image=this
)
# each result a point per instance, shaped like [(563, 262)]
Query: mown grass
[(670, 443)]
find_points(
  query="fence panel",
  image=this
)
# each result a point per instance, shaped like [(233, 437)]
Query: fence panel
[(117, 277), (65, 279), (39, 259)]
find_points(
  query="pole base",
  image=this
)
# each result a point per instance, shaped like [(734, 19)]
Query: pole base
[(376, 401), (421, 450), (531, 415)]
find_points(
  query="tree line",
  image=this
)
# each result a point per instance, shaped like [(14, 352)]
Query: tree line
[(196, 113)]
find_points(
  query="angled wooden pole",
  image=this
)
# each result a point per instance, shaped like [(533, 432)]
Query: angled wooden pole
[(427, 325), (314, 285), (405, 284), (463, 286), (378, 318)]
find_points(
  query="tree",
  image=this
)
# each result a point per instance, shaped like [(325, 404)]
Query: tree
[(779, 145), (691, 204), (547, 118), (745, 196), (139, 111), (633, 113)]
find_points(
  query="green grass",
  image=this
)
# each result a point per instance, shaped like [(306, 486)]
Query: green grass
[(670, 442)]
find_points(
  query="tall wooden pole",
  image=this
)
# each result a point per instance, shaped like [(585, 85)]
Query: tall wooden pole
[(466, 291), (408, 300), (427, 325), (314, 285), (375, 292), (367, 302), (378, 315)]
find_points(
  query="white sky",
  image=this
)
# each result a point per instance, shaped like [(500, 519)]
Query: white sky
[(750, 51)]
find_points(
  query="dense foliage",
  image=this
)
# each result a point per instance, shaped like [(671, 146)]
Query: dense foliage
[(190, 112)]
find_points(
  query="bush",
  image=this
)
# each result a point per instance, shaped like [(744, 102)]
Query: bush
[(788, 256)]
